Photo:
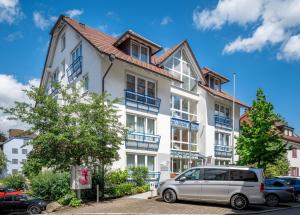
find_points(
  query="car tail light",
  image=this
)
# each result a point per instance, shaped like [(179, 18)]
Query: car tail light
[(290, 190), (262, 187)]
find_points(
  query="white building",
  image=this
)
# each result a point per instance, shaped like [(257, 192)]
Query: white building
[(16, 151), (176, 111)]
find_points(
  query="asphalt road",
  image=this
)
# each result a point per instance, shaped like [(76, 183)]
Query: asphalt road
[(290, 211)]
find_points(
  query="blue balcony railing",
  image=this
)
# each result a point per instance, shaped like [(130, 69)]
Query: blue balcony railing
[(141, 101), (142, 141), (223, 151), (53, 91), (75, 69), (224, 122)]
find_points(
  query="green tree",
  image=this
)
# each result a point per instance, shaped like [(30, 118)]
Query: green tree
[(85, 130), (281, 167), (3, 137), (259, 142), (2, 161)]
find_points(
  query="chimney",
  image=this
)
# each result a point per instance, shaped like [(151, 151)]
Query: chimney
[(15, 132)]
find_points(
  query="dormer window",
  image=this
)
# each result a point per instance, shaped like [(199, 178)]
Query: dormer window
[(214, 83), (139, 51)]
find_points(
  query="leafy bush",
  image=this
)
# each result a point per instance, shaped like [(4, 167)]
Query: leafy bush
[(139, 175), (14, 181), (123, 189), (75, 202), (31, 167), (116, 177), (66, 199), (51, 186)]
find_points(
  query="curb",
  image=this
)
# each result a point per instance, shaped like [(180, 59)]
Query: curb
[(265, 211)]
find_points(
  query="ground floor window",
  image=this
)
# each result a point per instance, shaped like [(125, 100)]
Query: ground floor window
[(133, 160), (180, 164), (221, 162), (294, 171)]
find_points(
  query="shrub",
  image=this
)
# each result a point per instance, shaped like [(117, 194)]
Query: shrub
[(66, 199), (75, 202), (51, 186), (123, 189), (116, 177), (139, 175), (14, 181)]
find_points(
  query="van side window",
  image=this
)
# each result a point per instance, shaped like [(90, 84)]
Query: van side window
[(243, 175), (216, 174), (193, 174)]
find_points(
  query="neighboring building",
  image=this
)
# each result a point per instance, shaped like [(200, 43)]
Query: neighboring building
[(176, 111), (293, 145), (16, 151)]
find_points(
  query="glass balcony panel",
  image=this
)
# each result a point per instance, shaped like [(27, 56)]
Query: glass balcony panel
[(142, 102)]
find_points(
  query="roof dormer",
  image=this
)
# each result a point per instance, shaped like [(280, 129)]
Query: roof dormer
[(213, 79), (137, 46)]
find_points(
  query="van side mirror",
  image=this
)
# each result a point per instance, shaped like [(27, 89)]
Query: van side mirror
[(183, 178)]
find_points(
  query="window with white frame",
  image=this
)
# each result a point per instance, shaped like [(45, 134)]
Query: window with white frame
[(14, 151), (139, 51), (180, 67), (140, 85), (141, 124), (24, 151), (14, 161), (181, 139), (55, 77), (76, 53), (183, 108), (222, 111), (85, 85), (63, 42), (133, 160), (63, 68), (222, 139)]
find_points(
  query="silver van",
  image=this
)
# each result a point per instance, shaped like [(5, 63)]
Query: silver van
[(238, 186)]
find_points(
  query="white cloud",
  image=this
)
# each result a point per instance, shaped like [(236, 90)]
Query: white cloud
[(274, 22), (166, 20), (73, 13), (9, 84), (10, 11), (40, 21), (14, 36), (291, 49)]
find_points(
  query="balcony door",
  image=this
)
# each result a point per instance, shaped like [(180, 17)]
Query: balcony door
[(141, 85)]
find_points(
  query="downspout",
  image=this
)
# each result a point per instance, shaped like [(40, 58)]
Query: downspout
[(112, 57)]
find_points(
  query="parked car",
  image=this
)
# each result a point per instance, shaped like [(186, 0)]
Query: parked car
[(277, 191), (238, 186), (21, 203), (8, 191), (295, 183)]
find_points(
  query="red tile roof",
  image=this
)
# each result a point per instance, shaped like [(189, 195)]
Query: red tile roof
[(104, 44), (293, 139), (206, 70), (223, 95)]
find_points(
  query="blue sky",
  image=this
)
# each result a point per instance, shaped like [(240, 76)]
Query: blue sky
[(259, 45)]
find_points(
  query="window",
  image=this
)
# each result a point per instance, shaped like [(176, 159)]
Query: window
[(141, 85), (76, 53), (14, 171), (216, 174), (222, 139), (294, 153), (139, 51), (14, 161), (180, 68), (63, 42), (140, 124), (193, 174), (222, 111), (180, 139), (24, 151), (63, 68), (141, 160), (55, 77), (243, 175), (294, 171), (86, 83), (14, 151), (23, 161), (183, 108)]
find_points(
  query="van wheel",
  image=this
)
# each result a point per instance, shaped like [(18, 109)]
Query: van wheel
[(272, 200), (169, 196), (239, 202)]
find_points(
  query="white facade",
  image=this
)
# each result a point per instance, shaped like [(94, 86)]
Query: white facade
[(16, 151), (181, 132)]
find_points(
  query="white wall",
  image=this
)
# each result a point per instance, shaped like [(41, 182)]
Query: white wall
[(17, 143)]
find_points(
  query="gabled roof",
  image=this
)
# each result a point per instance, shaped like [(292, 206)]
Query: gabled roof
[(160, 59), (105, 44), (223, 95), (207, 71), (135, 36)]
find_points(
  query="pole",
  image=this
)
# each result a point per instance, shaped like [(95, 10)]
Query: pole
[(233, 119), (97, 193)]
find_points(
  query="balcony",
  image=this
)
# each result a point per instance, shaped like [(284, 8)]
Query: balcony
[(142, 102), (53, 91), (223, 151), (142, 141), (75, 69), (223, 122)]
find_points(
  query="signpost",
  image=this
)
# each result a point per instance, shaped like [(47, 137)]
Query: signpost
[(81, 178)]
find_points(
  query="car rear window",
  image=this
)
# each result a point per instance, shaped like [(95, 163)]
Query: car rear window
[(243, 175)]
